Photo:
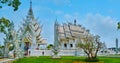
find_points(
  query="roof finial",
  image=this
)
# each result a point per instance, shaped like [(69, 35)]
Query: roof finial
[(30, 4), (56, 21), (30, 12), (75, 22)]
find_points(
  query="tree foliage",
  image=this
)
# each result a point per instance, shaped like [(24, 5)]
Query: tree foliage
[(4, 23), (13, 3), (90, 45), (118, 27), (11, 47), (50, 46)]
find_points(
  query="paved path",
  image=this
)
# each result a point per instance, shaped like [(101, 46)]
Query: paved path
[(5, 60)]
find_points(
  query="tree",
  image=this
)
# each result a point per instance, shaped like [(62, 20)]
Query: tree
[(90, 45), (13, 3), (118, 27), (4, 23), (50, 46)]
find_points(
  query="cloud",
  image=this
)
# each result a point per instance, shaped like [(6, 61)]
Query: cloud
[(61, 2), (71, 17), (59, 12), (100, 20), (105, 26), (94, 22), (55, 2)]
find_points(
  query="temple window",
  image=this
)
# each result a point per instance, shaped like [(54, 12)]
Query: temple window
[(71, 45), (20, 45), (65, 45)]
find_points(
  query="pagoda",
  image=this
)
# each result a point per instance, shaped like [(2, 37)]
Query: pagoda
[(30, 32)]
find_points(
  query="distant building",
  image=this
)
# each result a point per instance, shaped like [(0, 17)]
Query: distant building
[(114, 49)]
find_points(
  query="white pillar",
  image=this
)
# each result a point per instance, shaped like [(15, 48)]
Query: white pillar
[(33, 45), (6, 50), (68, 46)]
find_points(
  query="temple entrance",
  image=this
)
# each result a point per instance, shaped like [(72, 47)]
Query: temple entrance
[(26, 47)]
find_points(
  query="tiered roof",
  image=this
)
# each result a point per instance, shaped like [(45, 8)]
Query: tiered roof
[(32, 27), (71, 31)]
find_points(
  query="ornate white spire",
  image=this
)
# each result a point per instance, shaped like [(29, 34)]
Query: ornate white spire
[(31, 29), (30, 12)]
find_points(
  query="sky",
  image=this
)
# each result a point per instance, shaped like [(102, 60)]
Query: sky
[(99, 16)]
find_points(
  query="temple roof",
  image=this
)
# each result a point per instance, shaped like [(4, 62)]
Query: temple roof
[(26, 40), (31, 28), (71, 30)]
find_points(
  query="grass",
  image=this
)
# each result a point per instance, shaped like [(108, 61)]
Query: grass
[(110, 59), (64, 59)]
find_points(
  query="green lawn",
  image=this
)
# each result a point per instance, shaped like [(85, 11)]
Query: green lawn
[(65, 59)]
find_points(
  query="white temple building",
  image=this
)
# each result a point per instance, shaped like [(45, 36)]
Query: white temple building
[(30, 32), (68, 34), (67, 37)]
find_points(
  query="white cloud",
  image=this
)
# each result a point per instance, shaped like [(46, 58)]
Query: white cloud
[(105, 26), (59, 12), (71, 17), (56, 2), (93, 21), (61, 2), (99, 19), (68, 16)]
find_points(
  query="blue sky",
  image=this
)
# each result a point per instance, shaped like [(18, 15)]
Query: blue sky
[(100, 16)]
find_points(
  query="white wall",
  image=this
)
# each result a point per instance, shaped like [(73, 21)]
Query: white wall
[(71, 52), (63, 52), (40, 53)]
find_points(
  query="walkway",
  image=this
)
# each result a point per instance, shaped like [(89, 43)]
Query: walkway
[(6, 60)]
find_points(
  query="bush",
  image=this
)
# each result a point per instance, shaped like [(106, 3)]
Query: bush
[(0, 53), (11, 48), (91, 60)]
